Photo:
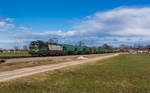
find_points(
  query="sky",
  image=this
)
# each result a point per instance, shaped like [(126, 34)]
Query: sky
[(94, 22)]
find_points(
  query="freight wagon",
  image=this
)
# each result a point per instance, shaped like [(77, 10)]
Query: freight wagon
[(40, 48)]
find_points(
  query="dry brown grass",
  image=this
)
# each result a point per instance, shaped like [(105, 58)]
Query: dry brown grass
[(25, 63), (121, 74)]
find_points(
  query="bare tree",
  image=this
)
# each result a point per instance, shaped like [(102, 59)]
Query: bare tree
[(123, 47), (140, 47), (135, 46), (1, 50), (81, 43), (148, 47), (53, 41), (16, 48), (25, 48), (106, 46), (130, 47)]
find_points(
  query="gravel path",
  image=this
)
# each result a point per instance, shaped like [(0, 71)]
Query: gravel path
[(38, 69)]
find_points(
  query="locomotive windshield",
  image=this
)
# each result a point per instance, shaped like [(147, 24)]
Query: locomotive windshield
[(37, 44), (34, 44)]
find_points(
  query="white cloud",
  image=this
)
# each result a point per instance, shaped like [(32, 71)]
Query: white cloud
[(9, 19), (2, 23), (120, 21), (60, 33), (7, 24), (22, 29), (6, 41), (120, 25), (4, 26)]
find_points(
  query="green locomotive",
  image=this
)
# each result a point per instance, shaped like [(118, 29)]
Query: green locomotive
[(40, 48)]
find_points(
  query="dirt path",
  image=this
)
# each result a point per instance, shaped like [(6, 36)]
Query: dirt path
[(7, 75)]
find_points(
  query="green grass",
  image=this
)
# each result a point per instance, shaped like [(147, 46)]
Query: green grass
[(14, 54), (121, 74)]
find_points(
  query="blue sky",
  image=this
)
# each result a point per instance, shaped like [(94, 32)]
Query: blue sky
[(22, 21)]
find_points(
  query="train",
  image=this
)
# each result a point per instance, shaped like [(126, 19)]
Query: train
[(41, 48)]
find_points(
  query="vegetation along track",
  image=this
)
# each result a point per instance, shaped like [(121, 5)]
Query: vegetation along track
[(17, 58), (14, 57)]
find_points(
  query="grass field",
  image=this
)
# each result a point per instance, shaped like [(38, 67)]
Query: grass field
[(121, 74), (14, 54)]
